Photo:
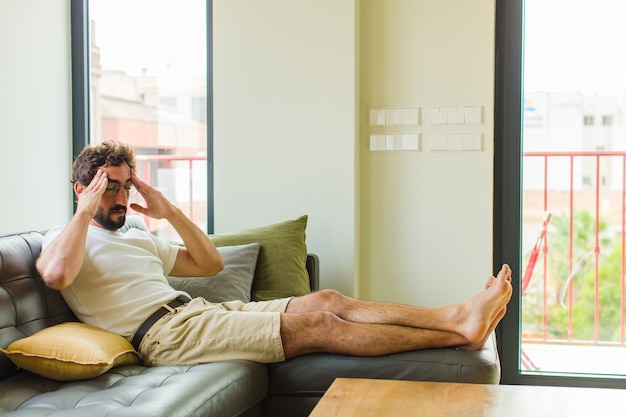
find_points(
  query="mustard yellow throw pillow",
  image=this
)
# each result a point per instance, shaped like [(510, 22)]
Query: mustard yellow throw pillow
[(71, 351)]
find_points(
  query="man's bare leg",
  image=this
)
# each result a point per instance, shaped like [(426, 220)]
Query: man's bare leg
[(325, 332), (329, 321)]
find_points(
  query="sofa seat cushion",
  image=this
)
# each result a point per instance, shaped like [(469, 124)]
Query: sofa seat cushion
[(214, 389), (301, 382)]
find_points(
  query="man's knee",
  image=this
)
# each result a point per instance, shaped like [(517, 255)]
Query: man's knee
[(325, 319), (322, 300), (329, 296)]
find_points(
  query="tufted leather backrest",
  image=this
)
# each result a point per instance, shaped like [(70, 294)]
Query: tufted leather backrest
[(27, 305)]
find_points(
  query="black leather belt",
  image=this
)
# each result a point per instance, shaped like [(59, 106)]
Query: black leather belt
[(177, 302)]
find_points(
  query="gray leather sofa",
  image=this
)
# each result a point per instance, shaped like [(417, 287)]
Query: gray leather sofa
[(234, 388)]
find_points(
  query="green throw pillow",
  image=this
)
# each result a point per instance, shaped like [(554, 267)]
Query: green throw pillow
[(281, 267)]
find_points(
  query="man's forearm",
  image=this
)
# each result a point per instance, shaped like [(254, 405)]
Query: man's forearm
[(200, 257)]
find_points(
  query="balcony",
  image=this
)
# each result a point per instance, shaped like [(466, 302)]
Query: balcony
[(183, 180), (574, 303)]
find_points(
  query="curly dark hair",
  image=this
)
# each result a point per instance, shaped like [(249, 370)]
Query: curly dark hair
[(92, 157)]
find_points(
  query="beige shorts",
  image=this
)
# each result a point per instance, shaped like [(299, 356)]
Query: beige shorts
[(202, 332)]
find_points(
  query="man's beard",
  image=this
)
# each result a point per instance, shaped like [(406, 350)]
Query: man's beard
[(105, 220)]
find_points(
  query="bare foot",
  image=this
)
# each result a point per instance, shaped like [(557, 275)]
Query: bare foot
[(481, 343), (476, 318), (491, 279)]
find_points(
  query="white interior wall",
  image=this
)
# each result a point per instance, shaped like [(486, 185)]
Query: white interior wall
[(35, 114), (426, 217), (285, 122)]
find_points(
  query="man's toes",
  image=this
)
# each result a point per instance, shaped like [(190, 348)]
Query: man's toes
[(505, 273), (490, 281)]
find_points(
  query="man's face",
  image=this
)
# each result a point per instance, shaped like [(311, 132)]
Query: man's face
[(111, 214)]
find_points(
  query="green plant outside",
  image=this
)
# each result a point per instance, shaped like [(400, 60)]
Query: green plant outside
[(573, 283)]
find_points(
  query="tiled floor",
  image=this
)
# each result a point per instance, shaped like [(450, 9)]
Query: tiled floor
[(562, 358)]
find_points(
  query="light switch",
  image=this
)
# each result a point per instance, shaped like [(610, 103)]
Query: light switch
[(451, 114), (373, 117), (404, 116), (477, 115), (377, 117), (477, 142), (394, 117), (468, 142), (373, 142), (435, 116), (474, 115), (459, 142), (410, 142), (456, 115), (472, 142), (413, 116), (409, 116), (389, 143), (468, 114), (380, 117), (455, 142), (460, 115), (378, 143), (388, 116)]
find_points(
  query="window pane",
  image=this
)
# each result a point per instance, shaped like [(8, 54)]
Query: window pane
[(148, 89), (574, 297)]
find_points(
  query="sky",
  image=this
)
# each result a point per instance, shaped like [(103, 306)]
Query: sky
[(575, 45), (163, 36), (570, 45)]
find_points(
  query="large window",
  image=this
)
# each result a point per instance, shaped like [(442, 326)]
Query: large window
[(566, 322), (141, 75)]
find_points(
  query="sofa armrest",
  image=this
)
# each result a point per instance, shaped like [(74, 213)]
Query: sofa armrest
[(313, 268)]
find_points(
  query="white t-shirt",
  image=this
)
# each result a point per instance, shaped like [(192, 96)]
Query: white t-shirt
[(122, 280)]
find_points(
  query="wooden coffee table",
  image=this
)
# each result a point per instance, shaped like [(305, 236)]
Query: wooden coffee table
[(375, 398)]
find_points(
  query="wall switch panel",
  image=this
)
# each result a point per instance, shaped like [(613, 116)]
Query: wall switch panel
[(377, 143), (411, 142), (412, 116), (401, 116), (454, 115), (377, 117), (394, 117), (459, 142), (399, 142), (436, 117)]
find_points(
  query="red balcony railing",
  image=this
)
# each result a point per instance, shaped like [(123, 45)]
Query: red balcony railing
[(577, 292), (183, 180)]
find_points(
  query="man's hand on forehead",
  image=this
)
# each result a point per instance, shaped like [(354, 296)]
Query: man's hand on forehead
[(135, 179)]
